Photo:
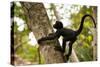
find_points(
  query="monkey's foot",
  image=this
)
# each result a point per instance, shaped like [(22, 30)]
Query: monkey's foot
[(67, 57)]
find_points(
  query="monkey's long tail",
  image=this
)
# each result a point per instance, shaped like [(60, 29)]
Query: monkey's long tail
[(82, 21)]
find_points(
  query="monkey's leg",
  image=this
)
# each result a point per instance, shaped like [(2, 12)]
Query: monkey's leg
[(63, 45), (70, 49)]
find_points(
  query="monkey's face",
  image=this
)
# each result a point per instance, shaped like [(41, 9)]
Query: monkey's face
[(58, 25)]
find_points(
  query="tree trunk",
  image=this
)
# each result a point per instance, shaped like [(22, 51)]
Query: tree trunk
[(39, 24), (94, 43)]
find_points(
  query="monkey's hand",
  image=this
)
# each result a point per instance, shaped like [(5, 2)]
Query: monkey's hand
[(39, 41)]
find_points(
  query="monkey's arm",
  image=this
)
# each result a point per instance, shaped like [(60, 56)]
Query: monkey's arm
[(49, 37)]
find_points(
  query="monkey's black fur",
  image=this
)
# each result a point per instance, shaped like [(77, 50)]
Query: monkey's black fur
[(68, 34)]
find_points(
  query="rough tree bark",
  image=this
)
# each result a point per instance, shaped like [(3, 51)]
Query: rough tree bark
[(94, 43), (38, 22)]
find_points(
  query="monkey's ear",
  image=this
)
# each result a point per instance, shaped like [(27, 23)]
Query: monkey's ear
[(58, 25)]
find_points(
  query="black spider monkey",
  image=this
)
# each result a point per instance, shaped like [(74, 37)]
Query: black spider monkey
[(68, 34)]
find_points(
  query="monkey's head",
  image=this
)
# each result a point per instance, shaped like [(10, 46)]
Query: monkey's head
[(58, 25)]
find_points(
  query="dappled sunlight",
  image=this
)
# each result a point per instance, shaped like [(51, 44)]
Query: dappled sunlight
[(20, 23), (32, 39)]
